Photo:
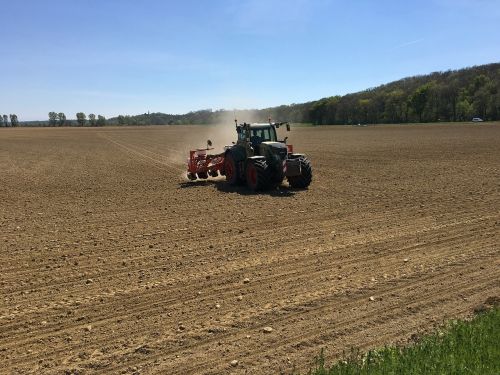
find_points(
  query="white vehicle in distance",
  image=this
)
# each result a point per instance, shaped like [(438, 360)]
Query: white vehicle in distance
[(477, 119)]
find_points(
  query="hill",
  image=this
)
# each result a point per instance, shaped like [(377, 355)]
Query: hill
[(454, 95)]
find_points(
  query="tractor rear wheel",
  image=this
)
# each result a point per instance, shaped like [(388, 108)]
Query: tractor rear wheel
[(303, 180), (231, 170), (257, 175)]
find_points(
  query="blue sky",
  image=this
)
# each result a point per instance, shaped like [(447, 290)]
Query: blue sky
[(115, 57)]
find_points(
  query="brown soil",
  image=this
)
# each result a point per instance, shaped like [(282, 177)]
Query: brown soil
[(112, 262)]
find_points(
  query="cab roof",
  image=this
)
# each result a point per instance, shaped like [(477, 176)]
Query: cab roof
[(260, 125)]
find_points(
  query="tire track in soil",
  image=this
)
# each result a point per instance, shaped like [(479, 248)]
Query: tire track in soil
[(156, 283), (346, 324), (313, 234), (143, 156), (159, 303), (282, 260)]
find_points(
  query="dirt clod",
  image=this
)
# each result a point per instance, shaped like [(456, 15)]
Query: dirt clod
[(267, 329)]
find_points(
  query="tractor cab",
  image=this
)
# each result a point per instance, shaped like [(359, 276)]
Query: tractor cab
[(260, 139), (255, 134), (262, 133), (258, 136)]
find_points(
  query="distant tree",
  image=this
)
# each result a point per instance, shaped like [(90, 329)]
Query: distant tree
[(121, 120), (5, 120), (92, 121), (465, 110), (52, 119), (81, 118), (101, 120), (62, 118), (419, 99), (364, 105), (13, 120)]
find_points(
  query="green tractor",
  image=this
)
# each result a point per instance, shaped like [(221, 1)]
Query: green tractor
[(262, 162)]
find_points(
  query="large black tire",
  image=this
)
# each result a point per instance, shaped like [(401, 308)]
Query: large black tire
[(203, 175), (231, 170), (257, 175), (304, 179)]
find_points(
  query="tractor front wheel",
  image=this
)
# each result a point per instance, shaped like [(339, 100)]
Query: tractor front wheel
[(257, 175), (303, 180)]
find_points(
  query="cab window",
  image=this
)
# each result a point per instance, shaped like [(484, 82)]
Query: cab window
[(264, 134)]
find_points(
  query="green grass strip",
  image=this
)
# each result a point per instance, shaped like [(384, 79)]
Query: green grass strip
[(464, 347)]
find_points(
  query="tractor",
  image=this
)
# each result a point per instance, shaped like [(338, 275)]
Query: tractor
[(257, 158)]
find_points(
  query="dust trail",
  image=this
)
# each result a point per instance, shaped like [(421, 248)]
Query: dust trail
[(141, 155), (221, 134)]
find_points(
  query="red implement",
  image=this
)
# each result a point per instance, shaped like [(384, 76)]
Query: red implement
[(201, 164)]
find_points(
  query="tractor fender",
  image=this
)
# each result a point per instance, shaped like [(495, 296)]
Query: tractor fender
[(295, 156), (236, 153), (249, 159)]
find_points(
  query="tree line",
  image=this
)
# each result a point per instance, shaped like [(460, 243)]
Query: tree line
[(59, 119), (4, 121), (455, 95)]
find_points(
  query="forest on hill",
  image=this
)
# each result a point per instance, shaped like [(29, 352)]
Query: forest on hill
[(454, 95)]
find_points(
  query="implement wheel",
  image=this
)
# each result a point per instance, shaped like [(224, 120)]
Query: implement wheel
[(257, 175)]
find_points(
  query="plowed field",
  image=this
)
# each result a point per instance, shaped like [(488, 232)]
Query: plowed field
[(111, 262)]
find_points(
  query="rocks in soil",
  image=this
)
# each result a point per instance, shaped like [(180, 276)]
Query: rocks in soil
[(234, 363), (143, 349), (267, 329), (246, 280)]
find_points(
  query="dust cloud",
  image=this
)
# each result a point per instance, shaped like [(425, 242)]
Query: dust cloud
[(221, 134)]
